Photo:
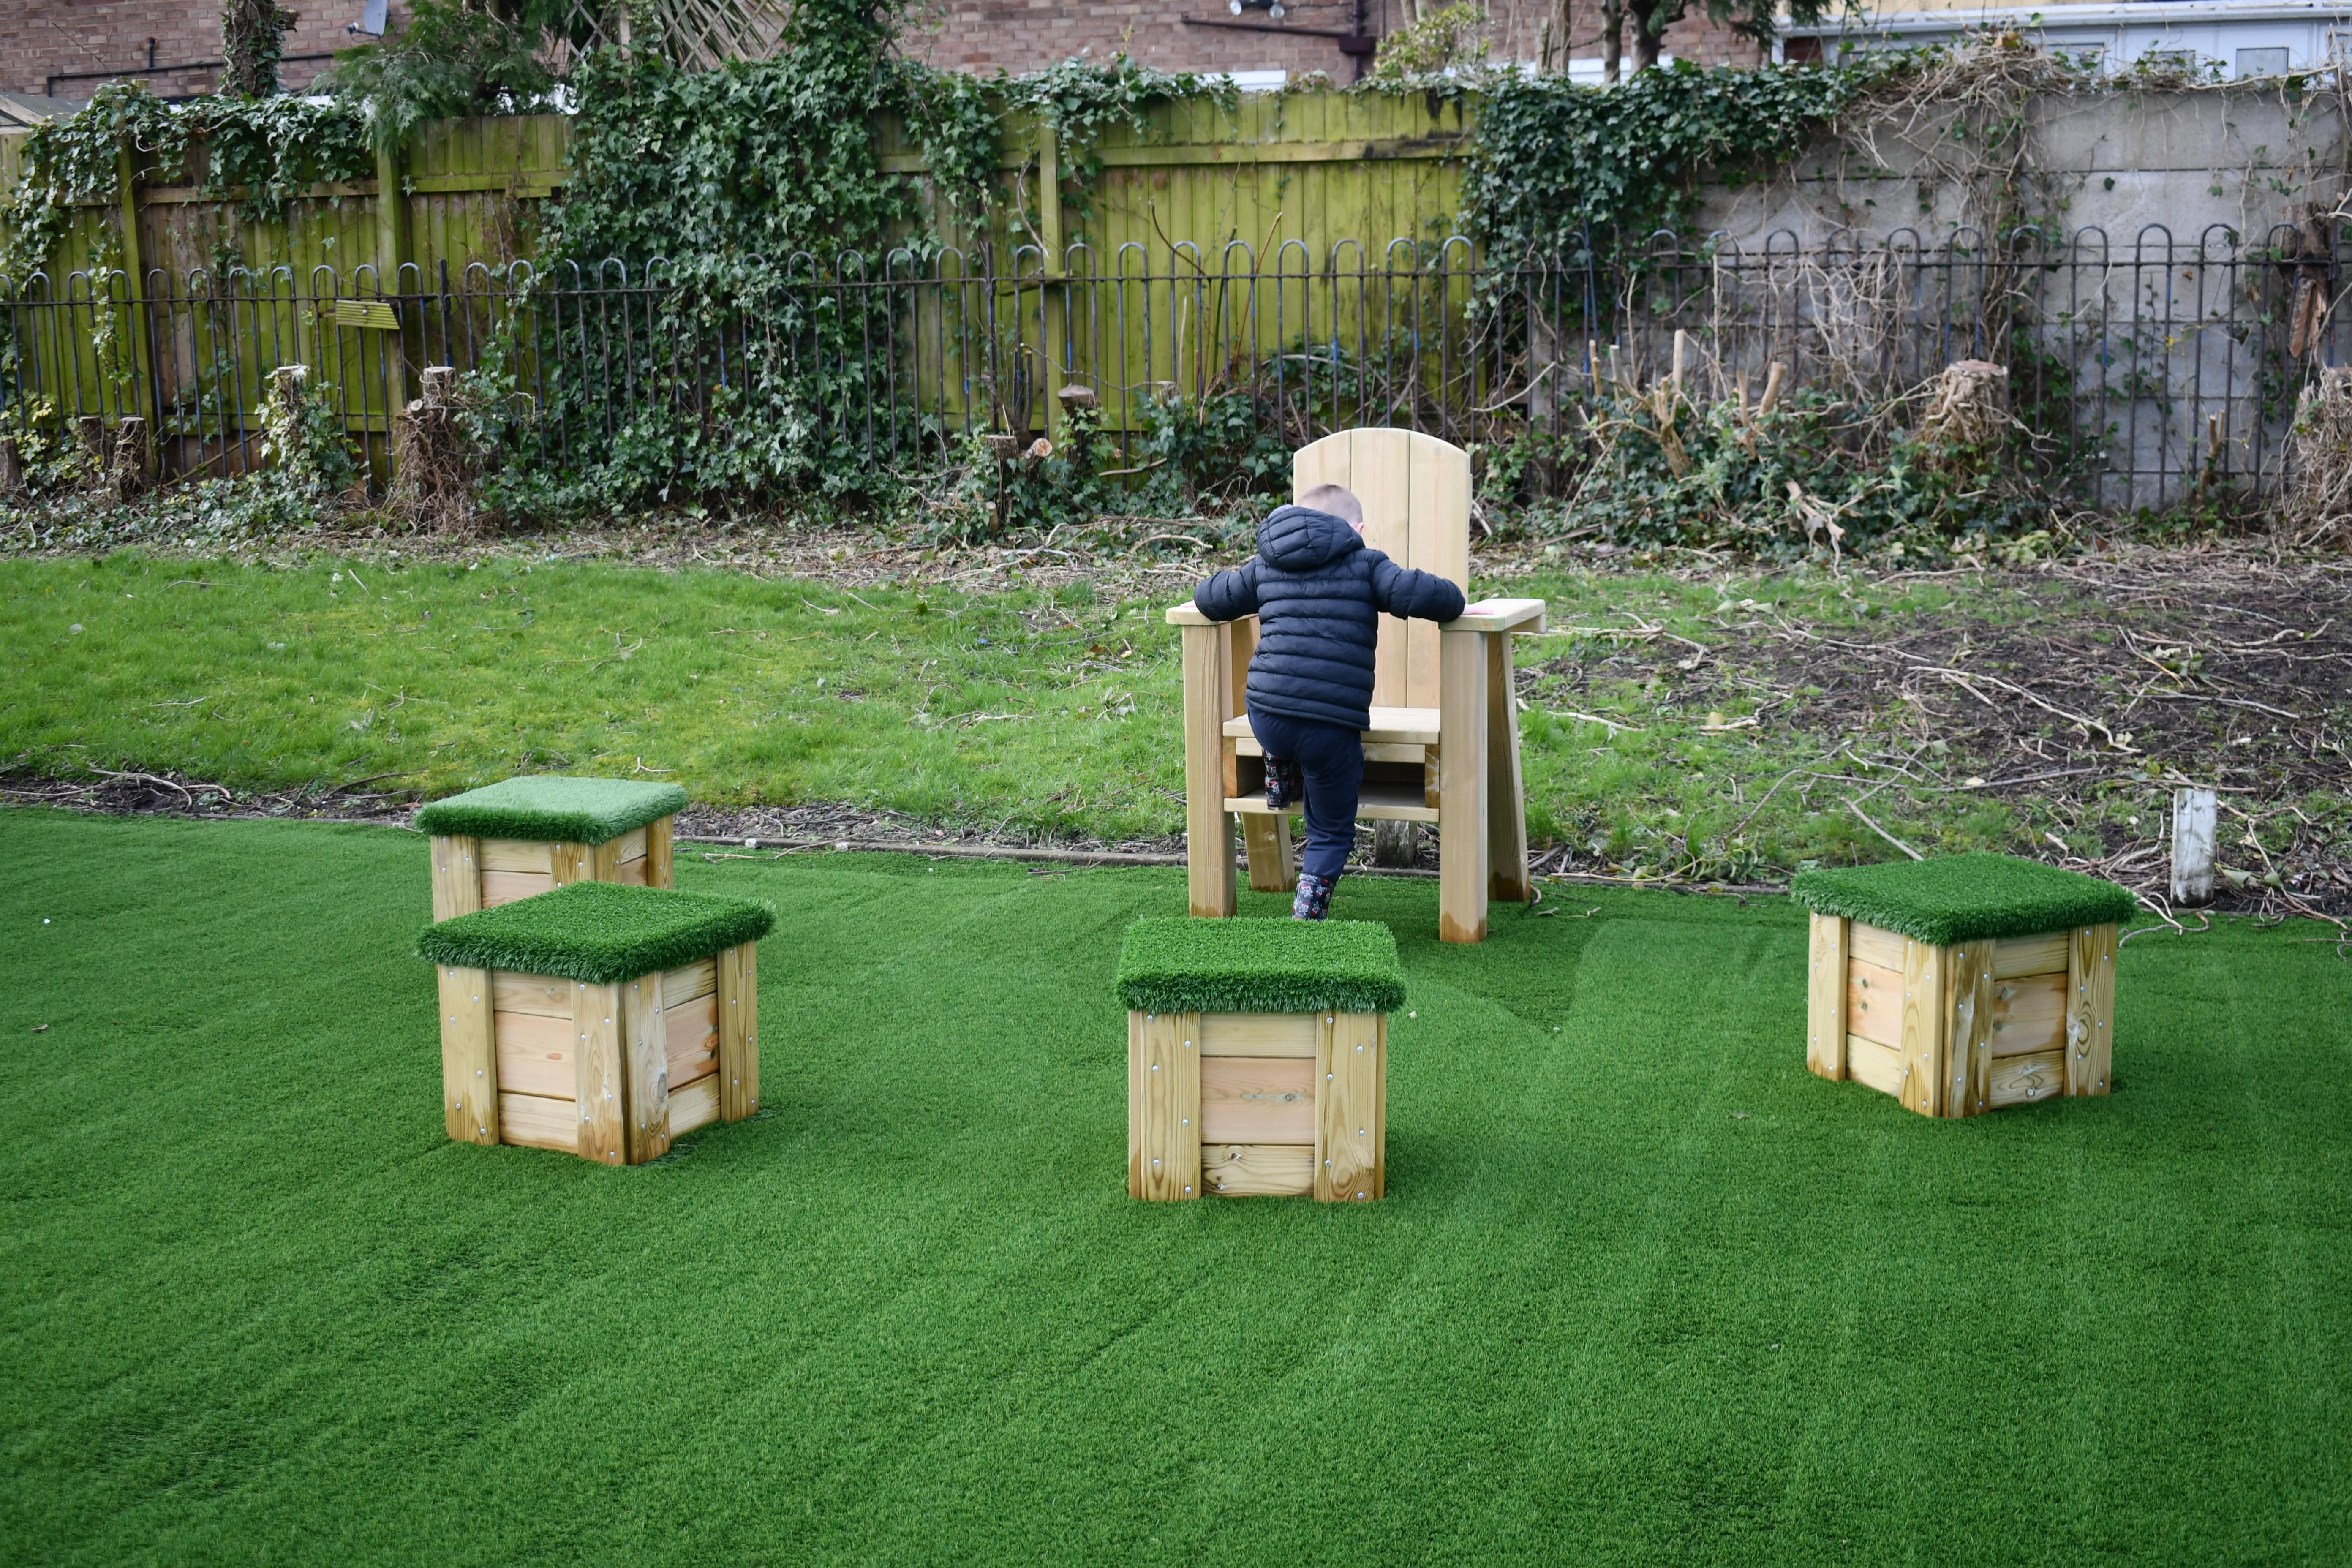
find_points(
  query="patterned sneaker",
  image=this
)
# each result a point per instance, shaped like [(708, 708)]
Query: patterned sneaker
[(1283, 785), (1313, 899)]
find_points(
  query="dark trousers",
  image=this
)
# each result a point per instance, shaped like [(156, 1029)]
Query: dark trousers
[(1332, 758)]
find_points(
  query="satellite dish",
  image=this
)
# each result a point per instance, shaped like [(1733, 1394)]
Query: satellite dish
[(371, 22)]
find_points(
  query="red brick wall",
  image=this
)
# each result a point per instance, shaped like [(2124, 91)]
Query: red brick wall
[(1022, 34), (39, 37)]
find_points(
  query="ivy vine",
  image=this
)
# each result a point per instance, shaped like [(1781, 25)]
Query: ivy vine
[(1557, 169), (259, 153)]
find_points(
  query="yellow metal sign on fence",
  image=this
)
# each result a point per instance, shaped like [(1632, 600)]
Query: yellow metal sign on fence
[(377, 314)]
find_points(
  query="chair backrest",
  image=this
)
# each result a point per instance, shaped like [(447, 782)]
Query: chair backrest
[(1416, 494)]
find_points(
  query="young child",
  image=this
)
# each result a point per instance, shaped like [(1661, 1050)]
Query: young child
[(1317, 591)]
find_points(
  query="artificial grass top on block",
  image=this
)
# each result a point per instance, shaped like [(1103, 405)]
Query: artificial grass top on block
[(596, 931), (549, 806), (1260, 966), (1963, 898)]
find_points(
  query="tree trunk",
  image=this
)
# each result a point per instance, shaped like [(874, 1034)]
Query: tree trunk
[(1613, 39), (1647, 27)]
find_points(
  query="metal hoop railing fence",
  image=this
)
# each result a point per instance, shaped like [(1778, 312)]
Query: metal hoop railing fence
[(2145, 373)]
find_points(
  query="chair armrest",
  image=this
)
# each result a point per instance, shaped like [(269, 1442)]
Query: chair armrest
[(1187, 614), (1497, 616)]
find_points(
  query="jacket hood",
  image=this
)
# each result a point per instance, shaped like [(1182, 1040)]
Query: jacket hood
[(1300, 539)]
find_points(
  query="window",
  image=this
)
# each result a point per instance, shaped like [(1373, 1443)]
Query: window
[(2262, 62)]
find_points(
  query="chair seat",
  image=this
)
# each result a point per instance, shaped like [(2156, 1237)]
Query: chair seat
[(1390, 727)]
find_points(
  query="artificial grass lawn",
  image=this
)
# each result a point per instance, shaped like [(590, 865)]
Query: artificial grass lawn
[(596, 931), (1643, 1292), (1964, 898), (549, 806), (1174, 965)]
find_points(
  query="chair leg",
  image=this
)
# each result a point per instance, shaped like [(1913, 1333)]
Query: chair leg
[(1462, 807), (1507, 806), (1271, 868), (1208, 826)]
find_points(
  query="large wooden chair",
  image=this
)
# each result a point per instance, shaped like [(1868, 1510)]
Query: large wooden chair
[(1444, 746)]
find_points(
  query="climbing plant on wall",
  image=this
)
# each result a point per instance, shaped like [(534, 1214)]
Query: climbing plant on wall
[(261, 152), (1557, 168)]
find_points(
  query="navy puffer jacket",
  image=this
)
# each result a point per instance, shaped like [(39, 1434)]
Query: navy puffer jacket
[(1318, 591)]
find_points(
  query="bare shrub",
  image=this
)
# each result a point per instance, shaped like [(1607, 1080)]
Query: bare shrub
[(434, 469), (2317, 505), (1967, 407)]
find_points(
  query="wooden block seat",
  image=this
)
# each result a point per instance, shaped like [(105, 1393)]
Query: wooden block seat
[(1257, 1058), (600, 1019), (531, 835), (1963, 985)]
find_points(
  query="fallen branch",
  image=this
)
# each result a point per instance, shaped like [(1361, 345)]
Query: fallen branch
[(1866, 822)]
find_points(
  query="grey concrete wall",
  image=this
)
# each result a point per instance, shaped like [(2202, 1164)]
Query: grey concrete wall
[(2239, 158)]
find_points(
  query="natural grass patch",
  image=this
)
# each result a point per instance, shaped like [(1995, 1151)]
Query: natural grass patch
[(1674, 726), (1642, 1290)]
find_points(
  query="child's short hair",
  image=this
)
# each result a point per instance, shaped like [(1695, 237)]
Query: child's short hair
[(1338, 499)]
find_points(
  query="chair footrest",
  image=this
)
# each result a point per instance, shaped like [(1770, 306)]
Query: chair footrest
[(1378, 802)]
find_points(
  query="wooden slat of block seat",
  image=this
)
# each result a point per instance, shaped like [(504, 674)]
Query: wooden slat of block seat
[(688, 981), (470, 1074), (644, 1061), (506, 887), (2029, 1015), (1349, 1105), (1258, 1170), (1875, 945), (1826, 1005), (541, 994), (1967, 1023), (2090, 1009), (602, 1078), (1258, 1100), (1926, 1042), (1163, 1106), (516, 854), (737, 1005), (631, 873), (693, 1029), (1873, 1065), (2014, 956), (536, 1121), (536, 1054), (660, 838), (1874, 1003), (456, 876), (2017, 1079), (1257, 1035), (695, 1105)]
